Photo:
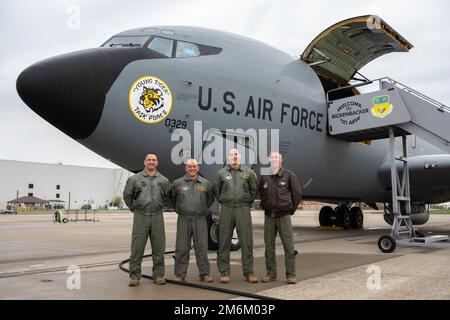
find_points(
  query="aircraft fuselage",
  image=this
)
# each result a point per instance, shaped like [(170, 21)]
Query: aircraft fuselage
[(247, 85)]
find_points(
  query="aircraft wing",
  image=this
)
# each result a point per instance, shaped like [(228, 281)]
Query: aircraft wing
[(344, 48)]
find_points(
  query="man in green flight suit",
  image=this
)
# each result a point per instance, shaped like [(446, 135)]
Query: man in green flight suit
[(192, 195), (235, 188), (145, 194)]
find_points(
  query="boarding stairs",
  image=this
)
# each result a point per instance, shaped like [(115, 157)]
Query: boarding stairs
[(392, 110), (369, 116)]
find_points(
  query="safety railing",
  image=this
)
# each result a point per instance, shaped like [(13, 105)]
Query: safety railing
[(441, 107)]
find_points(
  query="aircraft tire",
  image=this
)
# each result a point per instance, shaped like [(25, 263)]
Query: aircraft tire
[(387, 244), (213, 233), (356, 218), (65, 220), (325, 215), (213, 236), (235, 245), (342, 217)]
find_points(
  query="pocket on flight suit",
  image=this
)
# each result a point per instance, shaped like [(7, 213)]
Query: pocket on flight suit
[(138, 223)]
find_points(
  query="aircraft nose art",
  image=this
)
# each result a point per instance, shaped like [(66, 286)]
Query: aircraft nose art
[(68, 90)]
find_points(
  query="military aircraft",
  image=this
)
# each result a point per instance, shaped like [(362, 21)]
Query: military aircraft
[(128, 96)]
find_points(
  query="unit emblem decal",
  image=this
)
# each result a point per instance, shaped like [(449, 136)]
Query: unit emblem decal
[(150, 99), (381, 106)]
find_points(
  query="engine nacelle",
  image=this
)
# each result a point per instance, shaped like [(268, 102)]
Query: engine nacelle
[(419, 214)]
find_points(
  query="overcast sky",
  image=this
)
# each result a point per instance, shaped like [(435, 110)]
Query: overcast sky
[(34, 30)]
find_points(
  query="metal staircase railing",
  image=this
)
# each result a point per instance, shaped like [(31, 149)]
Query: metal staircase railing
[(399, 85)]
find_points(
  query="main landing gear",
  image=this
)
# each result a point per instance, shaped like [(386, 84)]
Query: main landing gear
[(341, 216), (212, 221)]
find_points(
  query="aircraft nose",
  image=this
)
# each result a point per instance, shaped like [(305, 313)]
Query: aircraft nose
[(67, 90)]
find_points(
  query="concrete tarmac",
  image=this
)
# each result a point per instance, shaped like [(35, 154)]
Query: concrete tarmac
[(38, 259)]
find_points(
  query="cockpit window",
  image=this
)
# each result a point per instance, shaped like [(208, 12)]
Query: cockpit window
[(125, 41), (161, 45), (186, 49)]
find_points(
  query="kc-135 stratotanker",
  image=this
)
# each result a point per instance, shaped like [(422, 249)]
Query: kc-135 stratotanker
[(127, 97)]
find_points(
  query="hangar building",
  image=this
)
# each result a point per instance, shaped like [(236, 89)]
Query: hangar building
[(58, 182)]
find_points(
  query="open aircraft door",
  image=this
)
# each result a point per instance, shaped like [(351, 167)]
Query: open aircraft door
[(339, 52)]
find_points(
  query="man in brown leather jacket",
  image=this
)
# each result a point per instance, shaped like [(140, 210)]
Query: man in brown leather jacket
[(280, 196)]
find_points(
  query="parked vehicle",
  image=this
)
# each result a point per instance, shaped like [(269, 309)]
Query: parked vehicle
[(8, 211)]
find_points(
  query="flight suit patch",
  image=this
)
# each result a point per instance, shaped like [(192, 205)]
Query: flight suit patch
[(185, 188), (229, 176), (244, 175), (201, 188)]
